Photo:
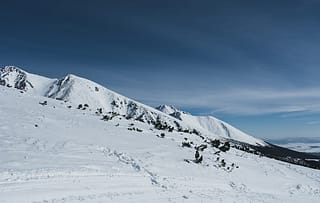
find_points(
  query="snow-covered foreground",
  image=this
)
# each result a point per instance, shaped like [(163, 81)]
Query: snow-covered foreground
[(51, 153)]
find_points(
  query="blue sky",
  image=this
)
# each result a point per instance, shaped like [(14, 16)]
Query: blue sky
[(254, 64)]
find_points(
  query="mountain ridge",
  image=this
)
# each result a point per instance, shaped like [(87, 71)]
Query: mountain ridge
[(79, 91)]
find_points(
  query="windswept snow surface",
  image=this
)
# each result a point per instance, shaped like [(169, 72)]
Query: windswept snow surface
[(52, 153)]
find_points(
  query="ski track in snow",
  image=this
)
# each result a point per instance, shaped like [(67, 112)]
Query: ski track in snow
[(15, 181)]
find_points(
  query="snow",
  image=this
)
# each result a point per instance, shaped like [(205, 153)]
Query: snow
[(52, 153), (40, 84)]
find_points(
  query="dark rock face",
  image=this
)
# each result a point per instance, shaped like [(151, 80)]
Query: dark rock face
[(11, 76)]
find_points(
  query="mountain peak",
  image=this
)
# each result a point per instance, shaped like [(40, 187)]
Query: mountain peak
[(169, 109), (8, 69), (172, 111), (12, 76)]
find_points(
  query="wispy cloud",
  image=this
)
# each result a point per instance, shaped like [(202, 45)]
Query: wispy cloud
[(316, 122), (239, 101)]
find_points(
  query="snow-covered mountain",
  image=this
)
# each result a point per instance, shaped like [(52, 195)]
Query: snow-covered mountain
[(72, 140), (79, 91)]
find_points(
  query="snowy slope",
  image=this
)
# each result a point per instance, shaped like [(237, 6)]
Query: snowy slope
[(76, 90), (52, 153), (79, 91)]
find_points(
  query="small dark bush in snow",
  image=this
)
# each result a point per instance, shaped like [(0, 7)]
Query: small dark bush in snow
[(43, 103), (225, 147), (186, 144), (215, 143)]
